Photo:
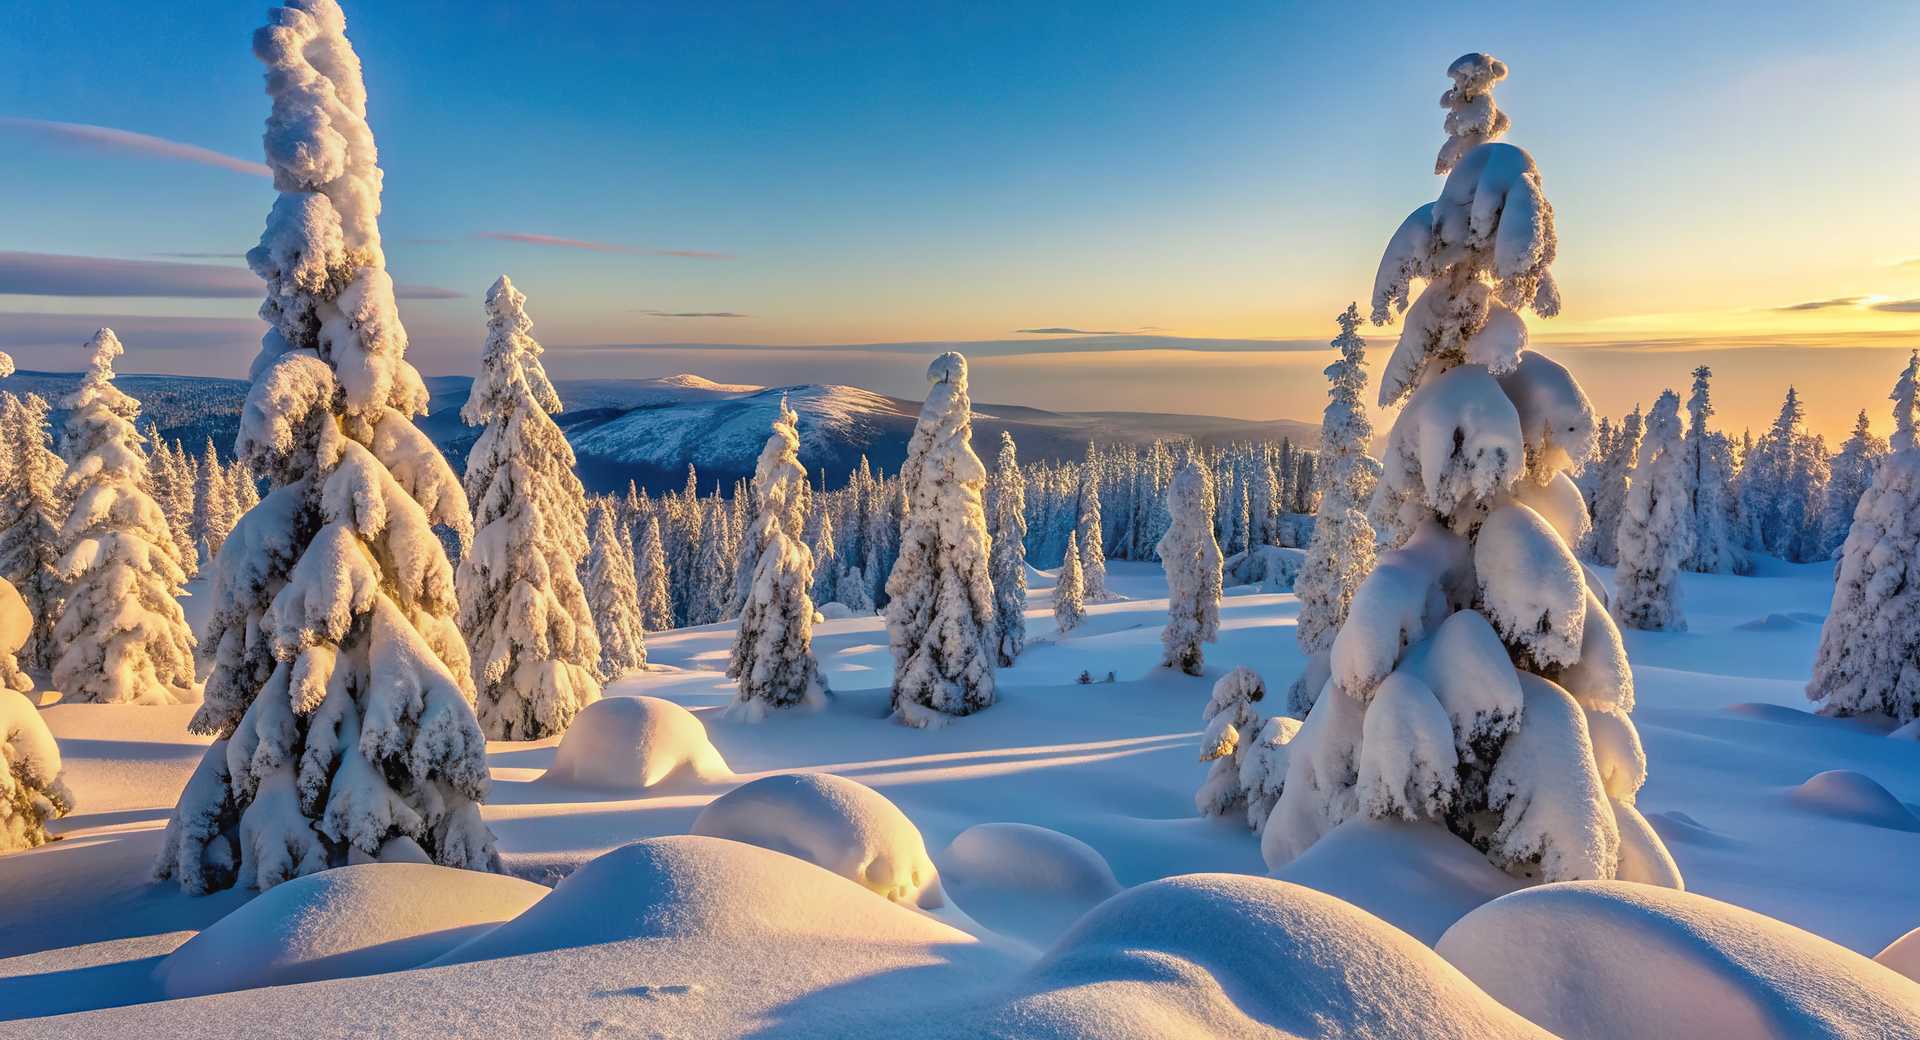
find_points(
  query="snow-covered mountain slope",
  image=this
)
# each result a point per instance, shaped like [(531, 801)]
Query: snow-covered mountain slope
[(648, 430)]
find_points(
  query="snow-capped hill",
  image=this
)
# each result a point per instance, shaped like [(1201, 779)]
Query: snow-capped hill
[(689, 381)]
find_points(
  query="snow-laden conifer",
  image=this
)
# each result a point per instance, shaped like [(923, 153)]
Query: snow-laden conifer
[(245, 487), (1477, 683), (825, 562), (1009, 553), (773, 649), (1340, 552), (30, 519), (1069, 592), (121, 636), (940, 594), (1092, 532), (1602, 543), (1852, 472), (215, 508), (612, 597), (1656, 530), (1709, 472), (1229, 723), (33, 788), (339, 688), (656, 603), (1871, 639), (1191, 558), (532, 638)]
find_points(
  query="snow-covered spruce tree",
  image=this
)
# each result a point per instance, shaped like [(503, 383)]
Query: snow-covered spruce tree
[(216, 509), (1340, 553), (245, 487), (121, 636), (30, 519), (32, 787), (1852, 472), (825, 561), (171, 478), (339, 689), (713, 568), (1092, 531), (1191, 558), (656, 604), (612, 597), (535, 650), (1871, 638), (1230, 722), (1602, 543), (1656, 530), (1069, 591), (1009, 562), (1709, 472), (1477, 683), (940, 596), (773, 649)]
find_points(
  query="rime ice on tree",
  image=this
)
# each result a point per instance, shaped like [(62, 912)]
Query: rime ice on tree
[(773, 649), (1191, 558), (1656, 531), (1009, 554), (30, 519), (339, 689), (611, 594), (1477, 683), (940, 596), (534, 646), (1069, 592)]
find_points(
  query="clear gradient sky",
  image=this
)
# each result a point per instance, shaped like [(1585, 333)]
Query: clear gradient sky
[(792, 191)]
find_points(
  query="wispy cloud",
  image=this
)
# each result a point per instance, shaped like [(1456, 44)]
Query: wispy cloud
[(1062, 330), (558, 242), (203, 256), (1899, 306), (48, 274), (107, 138), (694, 314), (234, 338), (1822, 305)]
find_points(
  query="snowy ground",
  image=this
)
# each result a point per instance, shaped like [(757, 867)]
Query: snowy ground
[(1111, 764)]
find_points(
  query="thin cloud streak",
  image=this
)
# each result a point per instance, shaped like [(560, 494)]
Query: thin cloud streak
[(558, 242), (1821, 305), (694, 314), (110, 139), (1061, 330), (1899, 306), (49, 274)]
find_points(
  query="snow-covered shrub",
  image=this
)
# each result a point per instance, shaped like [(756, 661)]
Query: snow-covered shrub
[(1009, 562), (1444, 701), (1872, 632), (611, 596), (1192, 561), (32, 789), (773, 649), (30, 519), (634, 744), (940, 595), (122, 636), (844, 826), (339, 689), (1247, 746), (1268, 568), (1069, 594), (1656, 531), (535, 649)]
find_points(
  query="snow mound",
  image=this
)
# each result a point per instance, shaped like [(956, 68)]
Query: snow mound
[(349, 921), (692, 887), (1227, 955), (1026, 881), (1773, 623), (1656, 962), (832, 822), (1903, 955), (1415, 876), (633, 744), (1846, 795), (1269, 568)]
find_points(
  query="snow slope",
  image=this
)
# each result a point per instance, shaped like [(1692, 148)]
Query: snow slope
[(1111, 766)]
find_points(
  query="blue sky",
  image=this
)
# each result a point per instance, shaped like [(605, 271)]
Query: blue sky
[(857, 174)]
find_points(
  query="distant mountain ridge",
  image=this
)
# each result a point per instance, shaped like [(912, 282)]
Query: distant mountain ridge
[(649, 430)]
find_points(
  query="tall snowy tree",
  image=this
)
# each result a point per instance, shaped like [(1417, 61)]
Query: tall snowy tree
[(940, 595), (612, 597), (656, 604), (1191, 558), (1009, 563), (121, 636), (1602, 543), (1092, 532), (1340, 552), (1477, 683), (339, 693), (245, 487), (172, 476), (1852, 472), (825, 561), (773, 649), (1871, 639), (532, 637), (1656, 530), (215, 510), (30, 520), (1709, 474), (1069, 592)]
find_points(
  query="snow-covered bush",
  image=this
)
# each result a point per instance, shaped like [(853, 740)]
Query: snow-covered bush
[(122, 636), (32, 789), (773, 649), (635, 744), (1872, 633), (534, 646), (1192, 561), (940, 595), (1656, 531), (1009, 562), (30, 519), (339, 688), (612, 597), (840, 824), (1069, 593), (1471, 676), (1247, 747)]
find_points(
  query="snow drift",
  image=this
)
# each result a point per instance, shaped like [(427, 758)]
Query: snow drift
[(832, 822), (634, 744)]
